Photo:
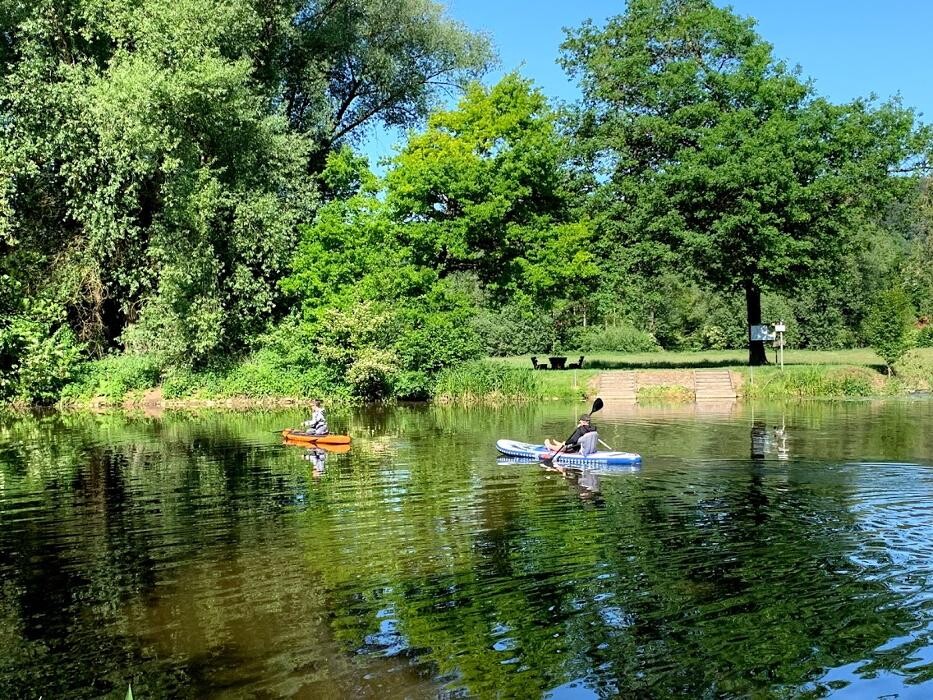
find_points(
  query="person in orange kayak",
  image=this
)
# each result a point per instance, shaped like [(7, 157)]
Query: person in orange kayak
[(318, 423), (573, 443)]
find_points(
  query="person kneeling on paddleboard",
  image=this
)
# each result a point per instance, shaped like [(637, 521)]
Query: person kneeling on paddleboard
[(573, 444), (318, 423)]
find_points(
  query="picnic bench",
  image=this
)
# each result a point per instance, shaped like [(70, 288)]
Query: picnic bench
[(557, 362)]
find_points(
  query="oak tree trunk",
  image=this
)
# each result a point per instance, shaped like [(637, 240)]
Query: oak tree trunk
[(756, 348)]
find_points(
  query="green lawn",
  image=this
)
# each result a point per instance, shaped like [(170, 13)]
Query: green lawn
[(857, 372), (710, 358)]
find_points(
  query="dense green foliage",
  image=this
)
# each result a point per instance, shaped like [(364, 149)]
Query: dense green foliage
[(482, 190), (622, 338), (889, 325), (178, 183), (714, 153), (113, 377), (159, 156)]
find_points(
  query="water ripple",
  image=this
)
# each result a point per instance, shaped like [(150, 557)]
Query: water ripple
[(202, 558)]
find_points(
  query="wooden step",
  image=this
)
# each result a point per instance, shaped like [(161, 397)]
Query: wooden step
[(617, 386), (713, 384)]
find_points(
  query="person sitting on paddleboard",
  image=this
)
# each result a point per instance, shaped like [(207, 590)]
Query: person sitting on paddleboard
[(573, 444), (318, 423)]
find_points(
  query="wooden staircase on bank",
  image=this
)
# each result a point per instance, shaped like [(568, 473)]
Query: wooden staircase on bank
[(713, 384), (617, 386), (708, 384)]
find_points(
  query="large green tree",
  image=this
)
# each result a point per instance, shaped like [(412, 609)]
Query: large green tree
[(157, 156), (345, 64), (708, 151), (483, 190), (915, 222), (376, 315)]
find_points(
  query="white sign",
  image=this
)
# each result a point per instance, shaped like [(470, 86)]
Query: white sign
[(779, 327), (762, 333)]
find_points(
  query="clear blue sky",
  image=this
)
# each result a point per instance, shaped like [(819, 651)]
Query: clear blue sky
[(850, 48)]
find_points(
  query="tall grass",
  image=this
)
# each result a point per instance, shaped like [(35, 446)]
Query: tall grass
[(259, 376), (666, 393), (915, 369), (483, 380), (813, 382)]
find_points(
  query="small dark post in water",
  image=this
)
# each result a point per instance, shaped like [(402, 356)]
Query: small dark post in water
[(759, 440)]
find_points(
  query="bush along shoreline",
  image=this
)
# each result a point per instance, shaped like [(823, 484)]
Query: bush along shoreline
[(132, 381)]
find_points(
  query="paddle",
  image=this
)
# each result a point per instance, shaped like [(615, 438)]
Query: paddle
[(549, 461)]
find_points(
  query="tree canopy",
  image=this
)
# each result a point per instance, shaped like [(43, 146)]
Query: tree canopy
[(182, 182), (710, 149), (159, 156), (483, 190)]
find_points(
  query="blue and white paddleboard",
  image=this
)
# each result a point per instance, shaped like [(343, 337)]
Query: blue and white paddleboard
[(525, 450)]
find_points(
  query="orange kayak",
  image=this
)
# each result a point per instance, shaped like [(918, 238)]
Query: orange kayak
[(331, 449), (302, 437)]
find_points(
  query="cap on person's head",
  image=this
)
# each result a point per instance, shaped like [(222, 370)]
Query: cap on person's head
[(585, 418)]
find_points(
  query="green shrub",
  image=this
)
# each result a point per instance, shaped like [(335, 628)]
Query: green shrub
[(38, 356), (481, 380), (259, 376), (721, 325), (854, 382), (256, 377), (430, 341), (889, 325), (924, 337), (820, 327), (372, 374), (714, 337), (413, 386), (513, 330), (113, 377), (622, 338), (915, 369), (181, 382)]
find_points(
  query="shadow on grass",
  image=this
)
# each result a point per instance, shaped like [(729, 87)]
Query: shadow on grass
[(704, 364), (671, 364)]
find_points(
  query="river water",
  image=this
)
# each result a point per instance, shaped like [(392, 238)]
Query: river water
[(759, 551)]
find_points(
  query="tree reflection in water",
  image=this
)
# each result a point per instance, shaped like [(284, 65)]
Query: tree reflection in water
[(193, 555)]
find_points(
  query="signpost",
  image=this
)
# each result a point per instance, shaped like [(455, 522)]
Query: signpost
[(765, 333), (779, 329)]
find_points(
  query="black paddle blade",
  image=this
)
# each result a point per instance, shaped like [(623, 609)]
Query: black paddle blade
[(597, 405)]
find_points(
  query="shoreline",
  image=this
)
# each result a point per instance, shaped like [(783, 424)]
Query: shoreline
[(674, 386), (658, 377)]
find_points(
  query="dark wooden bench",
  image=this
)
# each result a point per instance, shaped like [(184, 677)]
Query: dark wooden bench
[(576, 365)]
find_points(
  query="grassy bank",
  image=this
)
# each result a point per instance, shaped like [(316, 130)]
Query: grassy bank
[(491, 381), (806, 374), (133, 380), (138, 381), (128, 379), (733, 359)]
